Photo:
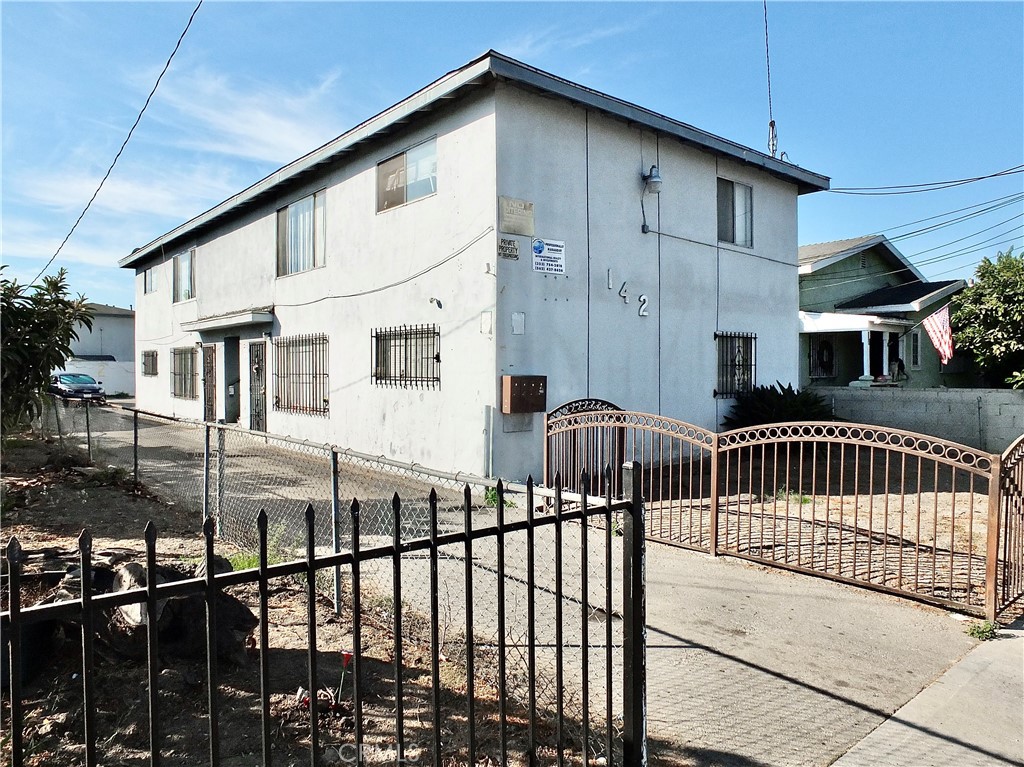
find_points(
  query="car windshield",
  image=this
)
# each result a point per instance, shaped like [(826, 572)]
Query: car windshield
[(76, 378)]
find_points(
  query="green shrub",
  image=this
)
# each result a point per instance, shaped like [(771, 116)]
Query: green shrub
[(777, 404), (983, 630)]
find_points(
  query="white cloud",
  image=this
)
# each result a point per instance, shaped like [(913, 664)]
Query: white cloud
[(266, 122), (160, 190), (533, 45)]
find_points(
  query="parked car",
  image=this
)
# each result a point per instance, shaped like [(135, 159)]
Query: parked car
[(77, 387)]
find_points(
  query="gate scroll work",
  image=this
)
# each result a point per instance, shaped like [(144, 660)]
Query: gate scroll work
[(881, 508)]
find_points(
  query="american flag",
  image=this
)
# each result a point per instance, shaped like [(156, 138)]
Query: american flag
[(940, 333)]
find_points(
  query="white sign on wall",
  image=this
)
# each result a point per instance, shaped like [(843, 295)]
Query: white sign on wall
[(548, 256), (508, 247)]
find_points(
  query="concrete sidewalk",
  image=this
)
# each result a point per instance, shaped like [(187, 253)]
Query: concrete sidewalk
[(750, 666), (972, 715)]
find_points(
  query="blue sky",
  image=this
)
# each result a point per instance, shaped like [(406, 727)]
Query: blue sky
[(870, 94)]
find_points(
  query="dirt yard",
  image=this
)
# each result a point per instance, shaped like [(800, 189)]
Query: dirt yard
[(47, 501)]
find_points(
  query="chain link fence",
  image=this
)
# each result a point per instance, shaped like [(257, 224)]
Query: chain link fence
[(230, 474)]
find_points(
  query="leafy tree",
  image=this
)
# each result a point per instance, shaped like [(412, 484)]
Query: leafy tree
[(988, 318), (37, 325)]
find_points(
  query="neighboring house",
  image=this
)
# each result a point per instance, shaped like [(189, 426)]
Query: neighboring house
[(107, 352), (498, 222), (861, 308)]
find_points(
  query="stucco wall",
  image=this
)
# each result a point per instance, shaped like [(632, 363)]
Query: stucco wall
[(110, 334), (368, 281), (989, 419), (582, 172)]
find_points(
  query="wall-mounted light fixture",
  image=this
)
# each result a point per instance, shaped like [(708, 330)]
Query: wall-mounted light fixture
[(436, 302), (652, 185), (652, 180), (199, 344)]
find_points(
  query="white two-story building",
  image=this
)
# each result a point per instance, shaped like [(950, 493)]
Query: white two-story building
[(499, 222)]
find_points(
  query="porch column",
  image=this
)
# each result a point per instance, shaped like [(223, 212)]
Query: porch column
[(885, 353), (865, 345)]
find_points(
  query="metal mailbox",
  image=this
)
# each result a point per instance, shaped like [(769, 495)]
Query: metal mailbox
[(524, 394)]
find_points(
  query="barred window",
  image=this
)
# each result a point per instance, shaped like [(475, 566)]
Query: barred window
[(823, 356), (149, 363), (407, 356), (737, 358), (301, 383), (184, 373)]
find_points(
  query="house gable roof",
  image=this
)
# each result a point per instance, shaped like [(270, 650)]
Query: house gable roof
[(814, 258), (488, 68), (910, 297), (106, 310)]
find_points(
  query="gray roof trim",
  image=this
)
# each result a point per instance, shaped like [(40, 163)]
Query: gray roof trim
[(491, 64), (912, 306), (826, 261)]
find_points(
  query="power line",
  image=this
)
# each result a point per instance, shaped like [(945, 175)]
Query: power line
[(930, 186), (123, 144)]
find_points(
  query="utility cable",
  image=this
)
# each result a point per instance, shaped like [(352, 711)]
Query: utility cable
[(773, 138), (931, 186), (404, 280), (123, 144)]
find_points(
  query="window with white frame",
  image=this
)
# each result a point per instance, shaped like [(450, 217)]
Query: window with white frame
[(302, 234), (301, 381), (407, 356), (184, 373), (737, 363), (915, 349), (149, 367), (735, 213), (184, 276), (407, 176), (149, 280)]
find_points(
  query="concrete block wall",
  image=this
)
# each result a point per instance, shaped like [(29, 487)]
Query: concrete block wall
[(989, 419)]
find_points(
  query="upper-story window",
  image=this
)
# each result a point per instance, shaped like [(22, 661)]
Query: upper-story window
[(184, 276), (407, 176), (302, 234), (149, 280), (735, 213)]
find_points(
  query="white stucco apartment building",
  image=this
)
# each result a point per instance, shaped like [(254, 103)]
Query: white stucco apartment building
[(497, 222)]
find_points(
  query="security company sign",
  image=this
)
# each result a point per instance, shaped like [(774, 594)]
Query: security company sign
[(548, 256)]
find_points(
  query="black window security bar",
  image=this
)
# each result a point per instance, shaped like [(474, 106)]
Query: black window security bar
[(407, 356), (822, 356), (737, 363), (301, 380), (184, 384), (596, 516), (149, 367)]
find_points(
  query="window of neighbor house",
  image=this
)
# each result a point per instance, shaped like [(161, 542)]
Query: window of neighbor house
[(301, 381), (407, 176), (915, 349), (737, 363), (149, 280), (407, 356), (149, 363), (184, 373), (302, 234), (184, 276), (823, 355), (735, 213)]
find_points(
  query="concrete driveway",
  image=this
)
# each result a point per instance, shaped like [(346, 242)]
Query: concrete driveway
[(756, 666)]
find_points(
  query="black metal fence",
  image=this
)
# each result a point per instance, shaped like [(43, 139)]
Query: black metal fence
[(611, 723)]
